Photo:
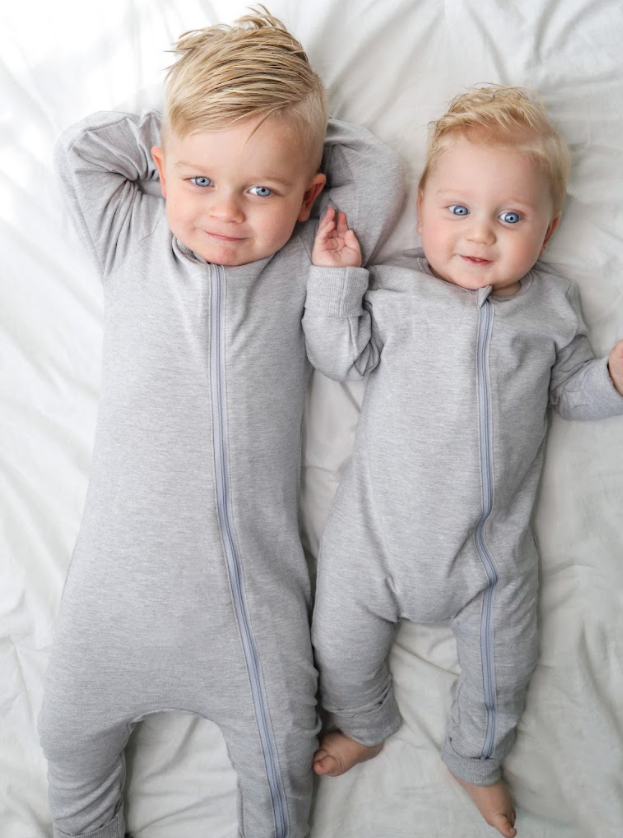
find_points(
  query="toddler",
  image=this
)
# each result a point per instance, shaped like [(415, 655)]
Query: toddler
[(468, 341), (188, 589)]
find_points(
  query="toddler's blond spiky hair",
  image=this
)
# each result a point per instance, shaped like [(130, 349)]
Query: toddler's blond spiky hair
[(227, 74), (507, 117)]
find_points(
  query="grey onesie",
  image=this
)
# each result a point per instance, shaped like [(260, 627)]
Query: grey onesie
[(431, 521), (188, 589)]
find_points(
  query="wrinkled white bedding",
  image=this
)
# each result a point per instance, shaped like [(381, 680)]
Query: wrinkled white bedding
[(392, 66)]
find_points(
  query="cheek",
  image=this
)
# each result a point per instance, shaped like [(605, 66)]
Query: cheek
[(527, 250), (180, 210), (436, 236), (278, 224)]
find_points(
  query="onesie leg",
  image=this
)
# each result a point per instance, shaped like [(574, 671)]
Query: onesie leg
[(86, 772), (89, 704), (274, 790), (353, 626), (269, 721), (496, 637)]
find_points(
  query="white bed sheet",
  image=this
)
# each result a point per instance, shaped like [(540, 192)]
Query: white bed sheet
[(392, 66)]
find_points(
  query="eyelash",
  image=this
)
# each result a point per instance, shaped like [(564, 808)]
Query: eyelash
[(269, 190), (210, 183), (451, 207)]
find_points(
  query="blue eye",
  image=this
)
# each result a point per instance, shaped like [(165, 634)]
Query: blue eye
[(261, 191), (201, 181), (510, 217), (458, 209)]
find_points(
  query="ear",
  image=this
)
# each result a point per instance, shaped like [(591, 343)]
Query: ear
[(311, 193), (158, 155), (420, 197), (553, 224)]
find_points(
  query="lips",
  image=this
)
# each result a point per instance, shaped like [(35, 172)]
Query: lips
[(222, 238), (476, 261)]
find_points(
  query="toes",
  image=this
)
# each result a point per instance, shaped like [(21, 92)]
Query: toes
[(504, 824), (327, 764)]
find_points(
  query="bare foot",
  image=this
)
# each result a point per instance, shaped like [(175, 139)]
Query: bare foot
[(338, 753), (495, 804)]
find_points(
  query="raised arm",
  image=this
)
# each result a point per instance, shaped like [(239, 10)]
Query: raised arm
[(337, 323), (582, 386), (365, 180), (100, 162)]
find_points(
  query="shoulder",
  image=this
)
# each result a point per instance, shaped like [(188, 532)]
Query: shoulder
[(407, 268), (547, 280), (558, 298)]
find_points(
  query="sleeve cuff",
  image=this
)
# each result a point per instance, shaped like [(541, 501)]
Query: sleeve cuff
[(610, 397), (597, 397), (336, 292)]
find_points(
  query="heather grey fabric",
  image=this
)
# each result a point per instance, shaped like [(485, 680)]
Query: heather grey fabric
[(151, 612), (442, 431)]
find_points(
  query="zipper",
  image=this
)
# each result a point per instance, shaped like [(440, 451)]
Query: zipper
[(486, 467), (217, 370)]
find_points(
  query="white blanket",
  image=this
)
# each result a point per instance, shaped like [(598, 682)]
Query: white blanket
[(392, 66)]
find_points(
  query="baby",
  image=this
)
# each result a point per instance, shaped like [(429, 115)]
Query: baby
[(468, 341), (188, 589)]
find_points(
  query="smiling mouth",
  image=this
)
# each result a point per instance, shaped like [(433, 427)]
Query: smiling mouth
[(476, 261)]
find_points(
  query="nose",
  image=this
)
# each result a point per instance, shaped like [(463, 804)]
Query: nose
[(481, 231), (226, 207)]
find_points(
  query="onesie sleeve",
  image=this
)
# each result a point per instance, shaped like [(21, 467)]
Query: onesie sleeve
[(338, 323), (365, 179), (580, 384), (100, 162)]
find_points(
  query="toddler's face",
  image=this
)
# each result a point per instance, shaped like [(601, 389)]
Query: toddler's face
[(234, 196), (485, 216)]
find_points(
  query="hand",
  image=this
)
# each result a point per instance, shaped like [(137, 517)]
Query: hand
[(615, 365), (336, 246)]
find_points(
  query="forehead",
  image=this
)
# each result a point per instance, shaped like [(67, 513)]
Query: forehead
[(255, 144), (497, 168)]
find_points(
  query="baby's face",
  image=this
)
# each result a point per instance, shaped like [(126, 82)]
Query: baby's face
[(234, 196), (485, 216)]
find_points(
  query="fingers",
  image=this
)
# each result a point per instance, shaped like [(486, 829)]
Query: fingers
[(329, 216), (342, 226), (327, 225), (350, 240), (335, 245), (333, 220)]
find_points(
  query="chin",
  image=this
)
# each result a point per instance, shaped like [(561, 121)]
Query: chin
[(228, 261), (220, 256)]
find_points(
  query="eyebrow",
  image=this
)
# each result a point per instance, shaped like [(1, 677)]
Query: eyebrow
[(522, 203), (455, 194), (184, 164)]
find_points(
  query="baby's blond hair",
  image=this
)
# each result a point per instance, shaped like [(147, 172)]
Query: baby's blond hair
[(227, 74), (507, 117)]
